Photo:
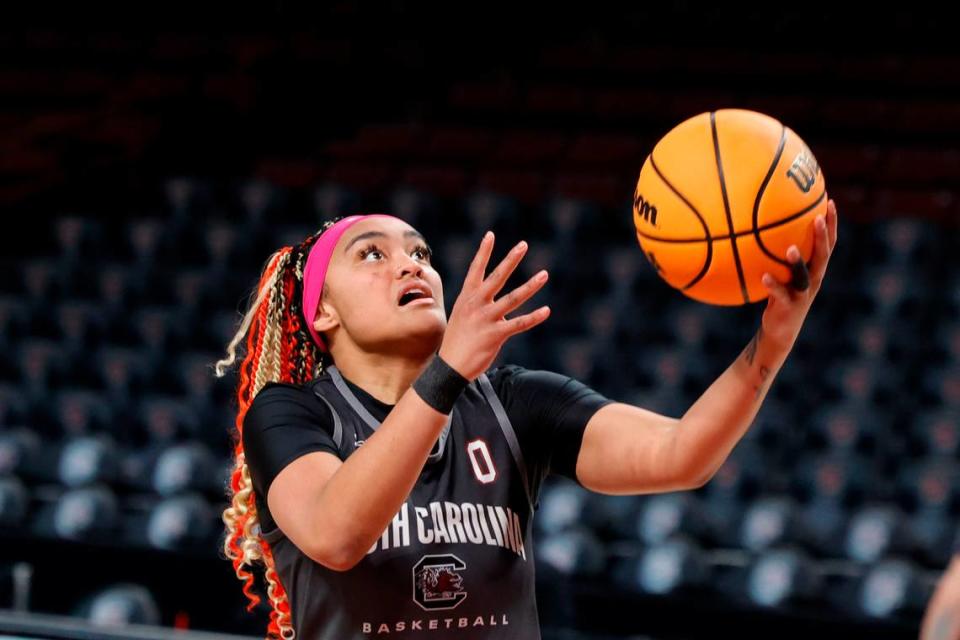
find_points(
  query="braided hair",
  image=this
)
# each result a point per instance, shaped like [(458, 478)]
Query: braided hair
[(277, 347)]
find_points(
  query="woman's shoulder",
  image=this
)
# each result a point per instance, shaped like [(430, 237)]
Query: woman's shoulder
[(519, 381), (273, 391), (506, 379), (504, 370), (284, 400), (508, 373)]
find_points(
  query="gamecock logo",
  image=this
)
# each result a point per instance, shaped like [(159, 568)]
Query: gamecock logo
[(437, 583)]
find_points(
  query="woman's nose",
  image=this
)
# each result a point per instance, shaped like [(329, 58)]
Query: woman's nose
[(409, 265)]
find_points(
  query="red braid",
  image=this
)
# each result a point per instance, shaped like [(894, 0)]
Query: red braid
[(237, 528), (297, 360)]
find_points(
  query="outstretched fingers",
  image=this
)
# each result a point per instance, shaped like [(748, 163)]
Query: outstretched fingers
[(521, 294), (498, 277), (478, 265), (528, 321)]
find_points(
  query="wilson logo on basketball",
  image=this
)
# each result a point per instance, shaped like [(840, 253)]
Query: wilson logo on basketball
[(803, 171), (643, 209)]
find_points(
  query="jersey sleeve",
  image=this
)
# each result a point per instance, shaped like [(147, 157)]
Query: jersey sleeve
[(549, 412), (283, 423)]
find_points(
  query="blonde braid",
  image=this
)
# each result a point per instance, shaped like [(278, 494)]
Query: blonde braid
[(271, 319), (268, 368), (265, 289)]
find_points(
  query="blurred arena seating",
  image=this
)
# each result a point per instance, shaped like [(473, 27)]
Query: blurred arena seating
[(840, 506), (114, 428)]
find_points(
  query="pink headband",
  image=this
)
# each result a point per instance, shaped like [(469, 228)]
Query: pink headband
[(315, 271)]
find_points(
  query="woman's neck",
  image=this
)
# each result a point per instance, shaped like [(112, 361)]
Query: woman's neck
[(386, 378)]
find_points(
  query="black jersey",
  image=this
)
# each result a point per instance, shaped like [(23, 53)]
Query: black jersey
[(457, 559)]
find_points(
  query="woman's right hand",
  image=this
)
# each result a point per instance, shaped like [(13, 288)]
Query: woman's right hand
[(477, 328)]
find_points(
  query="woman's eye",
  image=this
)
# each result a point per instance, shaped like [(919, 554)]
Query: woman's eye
[(422, 252), (370, 250)]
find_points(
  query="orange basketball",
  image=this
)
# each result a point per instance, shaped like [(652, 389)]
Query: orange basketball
[(721, 198)]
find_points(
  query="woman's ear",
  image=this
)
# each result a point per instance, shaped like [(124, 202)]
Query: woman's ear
[(326, 318)]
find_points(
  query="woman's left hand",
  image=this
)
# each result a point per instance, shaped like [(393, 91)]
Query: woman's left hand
[(788, 304)]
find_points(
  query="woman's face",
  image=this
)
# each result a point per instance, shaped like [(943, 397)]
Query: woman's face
[(374, 263)]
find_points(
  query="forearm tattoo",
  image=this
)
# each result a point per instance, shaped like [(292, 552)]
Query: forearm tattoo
[(750, 354), (751, 351)]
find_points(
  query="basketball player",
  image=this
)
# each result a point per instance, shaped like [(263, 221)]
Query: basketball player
[(386, 476)]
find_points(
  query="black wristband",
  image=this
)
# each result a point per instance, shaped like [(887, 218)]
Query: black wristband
[(440, 385)]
